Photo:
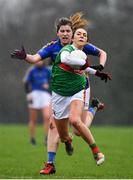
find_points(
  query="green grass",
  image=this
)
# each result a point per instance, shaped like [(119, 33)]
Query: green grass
[(19, 159)]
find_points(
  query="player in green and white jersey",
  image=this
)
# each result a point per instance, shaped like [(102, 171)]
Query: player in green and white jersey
[(64, 76), (68, 86)]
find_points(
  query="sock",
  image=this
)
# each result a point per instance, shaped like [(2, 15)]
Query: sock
[(95, 150), (93, 110), (51, 157)]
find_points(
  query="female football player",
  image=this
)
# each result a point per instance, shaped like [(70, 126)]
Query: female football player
[(36, 82), (68, 86)]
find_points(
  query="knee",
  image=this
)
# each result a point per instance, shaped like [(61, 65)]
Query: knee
[(47, 117), (76, 132), (74, 121), (52, 126)]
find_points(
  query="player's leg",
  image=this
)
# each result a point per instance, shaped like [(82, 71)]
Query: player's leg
[(63, 130), (53, 136), (60, 106), (32, 124), (76, 108), (53, 142), (96, 105), (46, 112), (34, 106), (52, 146), (89, 113), (45, 105), (86, 116)]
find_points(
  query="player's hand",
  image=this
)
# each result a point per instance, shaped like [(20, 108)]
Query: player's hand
[(97, 67), (104, 76), (86, 65), (19, 54)]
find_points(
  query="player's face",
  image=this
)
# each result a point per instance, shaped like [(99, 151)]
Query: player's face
[(80, 37), (65, 34)]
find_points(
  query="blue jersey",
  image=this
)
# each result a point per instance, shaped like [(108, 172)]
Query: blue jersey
[(53, 48), (37, 77)]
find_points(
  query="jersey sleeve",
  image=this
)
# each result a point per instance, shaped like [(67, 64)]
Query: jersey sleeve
[(46, 50), (90, 49)]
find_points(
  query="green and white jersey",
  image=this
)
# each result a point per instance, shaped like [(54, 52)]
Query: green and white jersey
[(66, 81)]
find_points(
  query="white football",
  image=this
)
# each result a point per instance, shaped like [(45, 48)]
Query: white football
[(80, 56)]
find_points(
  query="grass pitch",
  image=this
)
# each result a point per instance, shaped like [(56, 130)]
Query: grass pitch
[(19, 159)]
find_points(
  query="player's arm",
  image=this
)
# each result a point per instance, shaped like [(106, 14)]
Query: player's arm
[(43, 53), (74, 58), (90, 70), (90, 49), (22, 55), (33, 58), (102, 60), (103, 76), (102, 57)]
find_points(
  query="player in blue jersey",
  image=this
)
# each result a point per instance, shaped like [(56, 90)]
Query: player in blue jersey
[(36, 82), (64, 32)]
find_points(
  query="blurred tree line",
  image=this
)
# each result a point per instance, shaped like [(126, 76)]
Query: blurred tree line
[(31, 23)]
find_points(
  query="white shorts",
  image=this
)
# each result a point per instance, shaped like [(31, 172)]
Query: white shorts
[(40, 99), (60, 104), (87, 99)]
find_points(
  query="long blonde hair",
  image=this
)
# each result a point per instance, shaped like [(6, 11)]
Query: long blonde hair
[(78, 21)]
